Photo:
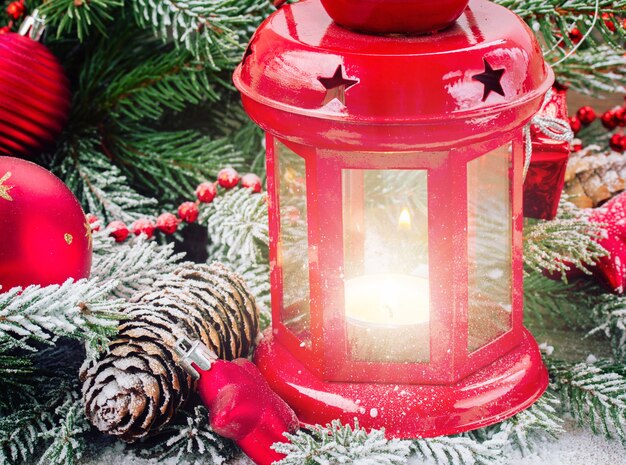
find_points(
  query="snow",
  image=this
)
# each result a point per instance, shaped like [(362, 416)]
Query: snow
[(577, 447)]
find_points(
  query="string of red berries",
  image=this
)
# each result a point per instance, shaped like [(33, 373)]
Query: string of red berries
[(188, 212), (610, 119), (610, 21), (15, 11)]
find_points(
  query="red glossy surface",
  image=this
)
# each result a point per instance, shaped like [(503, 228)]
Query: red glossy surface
[(507, 386), (546, 175), (243, 408), (395, 16), (34, 96), (412, 92), (45, 237)]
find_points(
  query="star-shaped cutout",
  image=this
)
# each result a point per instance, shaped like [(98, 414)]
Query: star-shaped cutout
[(336, 86), (4, 190), (490, 78)]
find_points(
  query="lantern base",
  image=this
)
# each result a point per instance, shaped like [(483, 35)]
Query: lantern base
[(498, 391)]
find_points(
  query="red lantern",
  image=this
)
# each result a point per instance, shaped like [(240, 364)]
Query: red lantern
[(395, 197)]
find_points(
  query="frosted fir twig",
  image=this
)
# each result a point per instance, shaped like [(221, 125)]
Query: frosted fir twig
[(79, 310), (339, 444), (610, 316), (593, 393), (134, 265), (460, 450)]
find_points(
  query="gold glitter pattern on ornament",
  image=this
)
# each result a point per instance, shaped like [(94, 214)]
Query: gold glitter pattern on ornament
[(4, 190), (68, 238), (88, 233)]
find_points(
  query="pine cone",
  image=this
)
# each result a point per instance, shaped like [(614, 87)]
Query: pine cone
[(137, 387), (592, 177)]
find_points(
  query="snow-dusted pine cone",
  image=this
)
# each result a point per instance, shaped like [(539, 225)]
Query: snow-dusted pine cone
[(594, 176), (136, 388)]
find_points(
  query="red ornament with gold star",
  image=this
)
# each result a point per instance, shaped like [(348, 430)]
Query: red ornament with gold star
[(34, 92), (46, 238)]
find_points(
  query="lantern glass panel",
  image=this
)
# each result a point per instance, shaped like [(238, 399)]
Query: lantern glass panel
[(293, 243), (489, 230), (386, 286)]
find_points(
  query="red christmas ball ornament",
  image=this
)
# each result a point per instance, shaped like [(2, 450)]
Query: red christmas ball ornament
[(608, 21), (575, 124), (94, 222), (620, 116), (228, 178), (586, 115), (34, 95), (206, 192), (143, 226), (45, 237), (118, 230), (577, 146), (167, 223), (188, 211), (575, 35), (16, 10), (617, 142), (609, 120), (252, 181), (5, 30)]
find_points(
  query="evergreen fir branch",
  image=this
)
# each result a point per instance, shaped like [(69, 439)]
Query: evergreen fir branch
[(593, 71), (237, 221), (79, 310), (339, 444), (79, 17), (172, 164), (98, 184), (16, 371), (191, 434), (609, 313), (20, 433), (560, 245), (134, 265), (213, 30), (459, 450), (594, 394)]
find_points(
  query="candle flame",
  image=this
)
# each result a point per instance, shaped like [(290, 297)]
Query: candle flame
[(404, 221)]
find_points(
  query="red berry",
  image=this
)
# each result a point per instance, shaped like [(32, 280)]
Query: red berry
[(94, 222), (206, 192), (252, 181), (167, 223), (586, 115), (5, 30), (188, 211), (228, 178), (617, 142), (575, 124), (16, 10), (143, 226), (577, 146), (609, 120), (620, 116), (607, 17), (118, 230), (575, 35)]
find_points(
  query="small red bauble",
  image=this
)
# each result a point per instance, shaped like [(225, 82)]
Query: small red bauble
[(188, 211), (575, 35), (118, 231), (586, 115), (206, 192), (16, 10), (620, 116), (617, 142), (609, 119), (5, 30), (143, 226), (228, 178), (575, 124), (34, 96), (167, 223), (577, 146), (607, 17), (94, 222), (45, 237), (252, 181)]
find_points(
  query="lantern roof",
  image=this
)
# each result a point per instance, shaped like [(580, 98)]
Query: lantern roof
[(302, 63)]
